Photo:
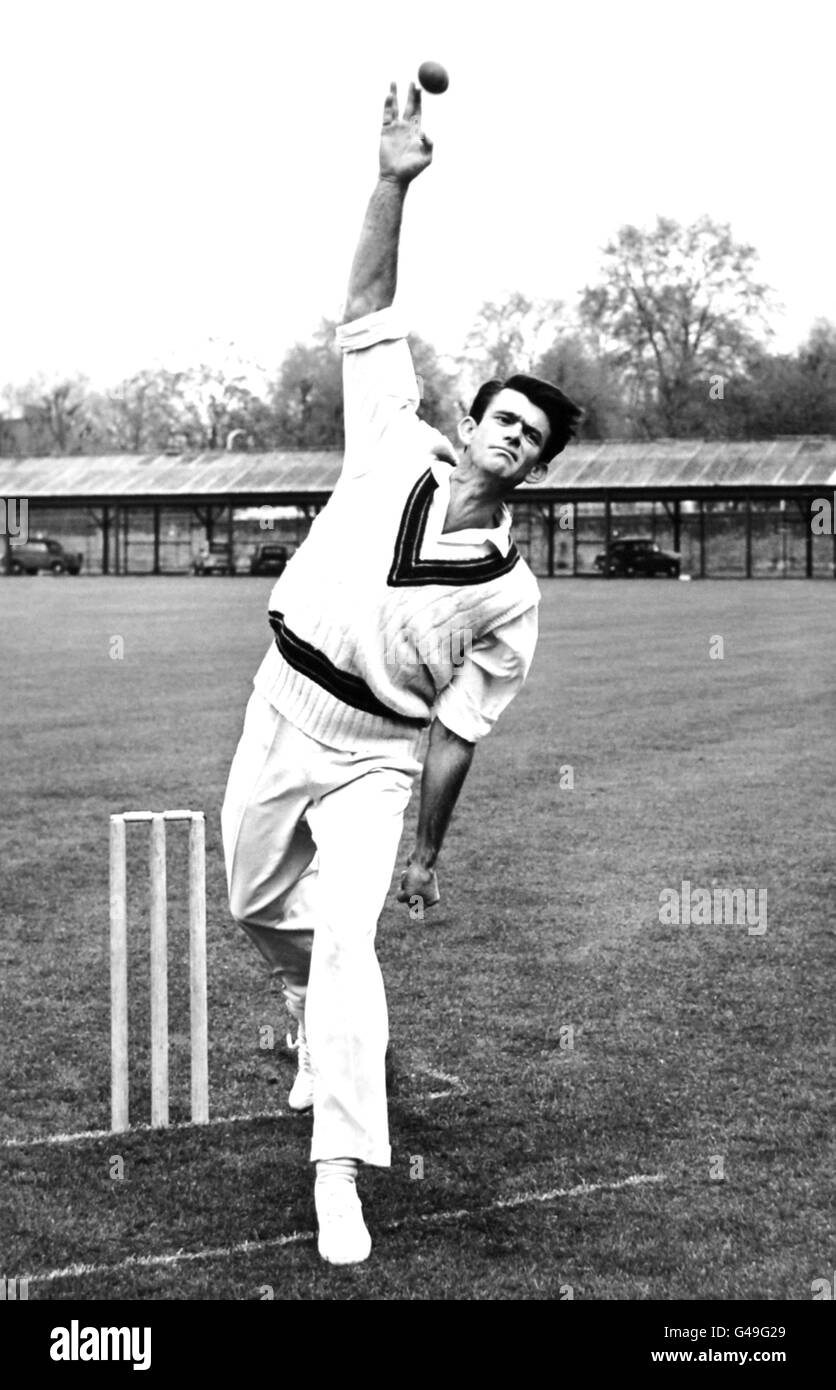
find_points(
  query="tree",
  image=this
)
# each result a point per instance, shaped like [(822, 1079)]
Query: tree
[(194, 409), (56, 415), (438, 395), (675, 306), (817, 362), (590, 381), (787, 393), (509, 335), (218, 396), (307, 398), (140, 415)]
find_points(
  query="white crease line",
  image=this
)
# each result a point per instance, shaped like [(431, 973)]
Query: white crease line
[(526, 1199), (142, 1129), (86, 1134), (454, 1083), (247, 1247)]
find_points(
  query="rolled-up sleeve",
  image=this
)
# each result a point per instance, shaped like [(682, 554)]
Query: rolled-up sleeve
[(491, 674), (380, 390)]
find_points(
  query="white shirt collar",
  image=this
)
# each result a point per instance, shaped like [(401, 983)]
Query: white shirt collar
[(499, 536)]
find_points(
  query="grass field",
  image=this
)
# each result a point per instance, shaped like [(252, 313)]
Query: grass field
[(700, 1058)]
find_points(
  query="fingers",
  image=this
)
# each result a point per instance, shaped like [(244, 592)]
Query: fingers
[(427, 901), (412, 109), (424, 888), (390, 105)]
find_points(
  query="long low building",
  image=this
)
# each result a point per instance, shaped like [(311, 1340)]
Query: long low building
[(730, 509)]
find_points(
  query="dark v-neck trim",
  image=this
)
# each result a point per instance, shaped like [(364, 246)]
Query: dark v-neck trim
[(408, 569)]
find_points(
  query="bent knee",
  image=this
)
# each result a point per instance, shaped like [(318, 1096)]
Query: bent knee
[(242, 905), (286, 951)]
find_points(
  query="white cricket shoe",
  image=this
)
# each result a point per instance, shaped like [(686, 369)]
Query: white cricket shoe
[(343, 1236), (301, 1092)]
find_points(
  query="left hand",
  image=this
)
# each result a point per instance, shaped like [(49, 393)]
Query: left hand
[(418, 882)]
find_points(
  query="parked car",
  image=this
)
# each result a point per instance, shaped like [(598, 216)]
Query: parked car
[(638, 555), (213, 559), (43, 553), (269, 559)]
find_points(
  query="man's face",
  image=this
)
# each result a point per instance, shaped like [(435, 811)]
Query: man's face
[(509, 439)]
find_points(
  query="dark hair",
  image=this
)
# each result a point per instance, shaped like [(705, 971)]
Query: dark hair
[(563, 414)]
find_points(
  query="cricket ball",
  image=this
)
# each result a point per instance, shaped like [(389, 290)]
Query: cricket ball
[(433, 78)]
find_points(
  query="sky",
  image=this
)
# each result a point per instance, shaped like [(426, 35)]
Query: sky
[(175, 172)]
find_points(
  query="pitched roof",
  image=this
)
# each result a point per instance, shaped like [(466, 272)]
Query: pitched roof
[(682, 463), (790, 462)]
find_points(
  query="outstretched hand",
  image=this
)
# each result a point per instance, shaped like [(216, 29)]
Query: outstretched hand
[(405, 151)]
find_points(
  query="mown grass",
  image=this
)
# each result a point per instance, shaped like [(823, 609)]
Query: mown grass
[(591, 1041)]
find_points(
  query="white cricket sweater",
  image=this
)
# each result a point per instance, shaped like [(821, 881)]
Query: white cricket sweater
[(370, 633), (380, 616)]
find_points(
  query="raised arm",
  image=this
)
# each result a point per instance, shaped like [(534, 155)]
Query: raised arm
[(404, 152)]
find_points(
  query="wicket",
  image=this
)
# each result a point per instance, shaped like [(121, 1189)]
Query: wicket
[(159, 966)]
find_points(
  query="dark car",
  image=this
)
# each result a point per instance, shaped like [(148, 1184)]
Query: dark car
[(43, 553), (213, 559), (269, 559), (638, 555)]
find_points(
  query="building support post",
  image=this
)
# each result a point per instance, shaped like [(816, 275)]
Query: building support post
[(230, 537)]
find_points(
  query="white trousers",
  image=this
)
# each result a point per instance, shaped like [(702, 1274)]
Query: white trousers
[(310, 837)]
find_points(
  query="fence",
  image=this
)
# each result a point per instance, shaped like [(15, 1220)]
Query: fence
[(738, 538), (160, 540), (724, 539)]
